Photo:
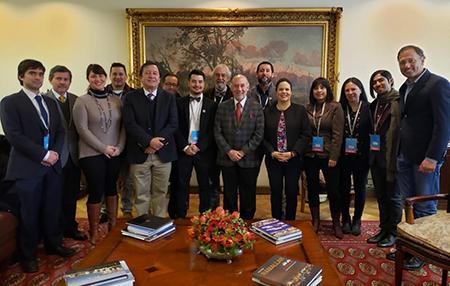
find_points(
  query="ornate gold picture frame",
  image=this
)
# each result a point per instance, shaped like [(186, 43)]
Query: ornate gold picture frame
[(302, 44)]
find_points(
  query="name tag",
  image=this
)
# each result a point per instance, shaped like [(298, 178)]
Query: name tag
[(46, 140), (317, 143), (375, 142), (351, 145), (194, 136)]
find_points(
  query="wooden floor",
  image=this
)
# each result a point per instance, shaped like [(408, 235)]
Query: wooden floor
[(263, 208)]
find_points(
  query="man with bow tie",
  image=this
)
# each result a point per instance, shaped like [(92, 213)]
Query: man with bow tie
[(32, 125), (194, 140), (239, 130), (219, 93)]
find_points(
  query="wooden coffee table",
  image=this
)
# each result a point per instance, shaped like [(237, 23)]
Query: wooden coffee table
[(173, 260)]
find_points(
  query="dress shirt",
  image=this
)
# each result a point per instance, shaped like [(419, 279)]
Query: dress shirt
[(59, 95), (242, 102), (194, 115), (150, 94)]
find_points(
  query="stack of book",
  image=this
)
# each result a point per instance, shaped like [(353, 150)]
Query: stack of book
[(282, 271), (107, 274), (148, 227), (276, 231)]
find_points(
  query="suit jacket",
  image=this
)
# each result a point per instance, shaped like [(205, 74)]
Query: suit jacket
[(138, 125), (207, 115), (425, 123), (25, 132), (70, 146), (211, 95), (247, 136), (272, 99), (298, 130)]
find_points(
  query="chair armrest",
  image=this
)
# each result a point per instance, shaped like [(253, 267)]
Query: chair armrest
[(412, 200)]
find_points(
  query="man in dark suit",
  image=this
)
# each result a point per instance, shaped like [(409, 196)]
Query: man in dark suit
[(60, 78), (32, 125), (194, 141), (219, 93), (239, 130), (264, 91), (150, 118), (171, 84), (120, 88), (424, 135)]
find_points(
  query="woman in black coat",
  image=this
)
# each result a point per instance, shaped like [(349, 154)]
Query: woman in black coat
[(355, 152), (286, 135)]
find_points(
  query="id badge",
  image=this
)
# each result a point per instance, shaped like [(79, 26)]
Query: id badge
[(374, 142), (46, 140), (317, 143), (351, 145), (194, 136)]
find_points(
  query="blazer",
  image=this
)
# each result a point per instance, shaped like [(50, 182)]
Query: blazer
[(331, 129), (25, 131), (207, 116), (425, 123), (210, 94), (272, 99), (138, 125), (247, 136), (298, 130), (70, 146)]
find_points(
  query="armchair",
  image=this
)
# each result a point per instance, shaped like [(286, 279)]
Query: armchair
[(427, 237)]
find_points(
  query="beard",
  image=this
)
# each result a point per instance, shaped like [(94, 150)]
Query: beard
[(264, 81)]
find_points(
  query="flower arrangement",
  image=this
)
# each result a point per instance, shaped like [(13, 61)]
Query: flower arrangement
[(219, 231)]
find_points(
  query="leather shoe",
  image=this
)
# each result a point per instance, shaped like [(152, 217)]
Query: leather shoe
[(356, 227), (413, 263), (346, 228), (388, 241), (61, 251), (76, 235), (391, 256), (30, 266), (377, 237)]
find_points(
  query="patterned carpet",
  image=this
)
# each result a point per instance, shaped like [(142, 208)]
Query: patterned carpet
[(357, 262), (360, 263)]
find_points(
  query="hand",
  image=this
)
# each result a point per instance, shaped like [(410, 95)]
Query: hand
[(53, 157), (116, 152), (427, 166), (235, 155), (149, 150), (109, 151), (332, 163), (189, 151), (157, 143)]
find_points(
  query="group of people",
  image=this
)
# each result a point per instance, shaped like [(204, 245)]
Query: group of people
[(152, 138)]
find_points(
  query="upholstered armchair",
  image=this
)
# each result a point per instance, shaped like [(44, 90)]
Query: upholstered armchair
[(427, 237)]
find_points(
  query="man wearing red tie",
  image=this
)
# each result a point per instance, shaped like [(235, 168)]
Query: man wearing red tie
[(239, 130)]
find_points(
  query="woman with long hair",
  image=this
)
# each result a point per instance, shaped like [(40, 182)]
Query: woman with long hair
[(353, 162), (326, 119)]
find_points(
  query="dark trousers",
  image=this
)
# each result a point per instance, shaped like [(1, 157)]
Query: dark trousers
[(40, 211), (312, 170), (101, 176), (185, 164), (243, 180), (214, 185), (287, 175), (384, 191), (70, 192), (357, 167)]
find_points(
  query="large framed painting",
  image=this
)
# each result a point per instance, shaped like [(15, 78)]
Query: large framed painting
[(302, 44)]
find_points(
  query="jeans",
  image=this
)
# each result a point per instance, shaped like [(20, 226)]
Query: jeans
[(411, 182)]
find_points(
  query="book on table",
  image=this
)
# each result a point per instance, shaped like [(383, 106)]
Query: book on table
[(147, 225), (151, 237), (106, 274), (276, 231), (281, 271)]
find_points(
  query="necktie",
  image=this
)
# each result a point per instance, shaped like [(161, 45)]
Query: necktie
[(62, 99), (151, 96), (238, 112), (281, 134), (42, 109), (191, 98)]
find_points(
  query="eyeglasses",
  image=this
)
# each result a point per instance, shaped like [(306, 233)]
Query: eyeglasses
[(170, 84)]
